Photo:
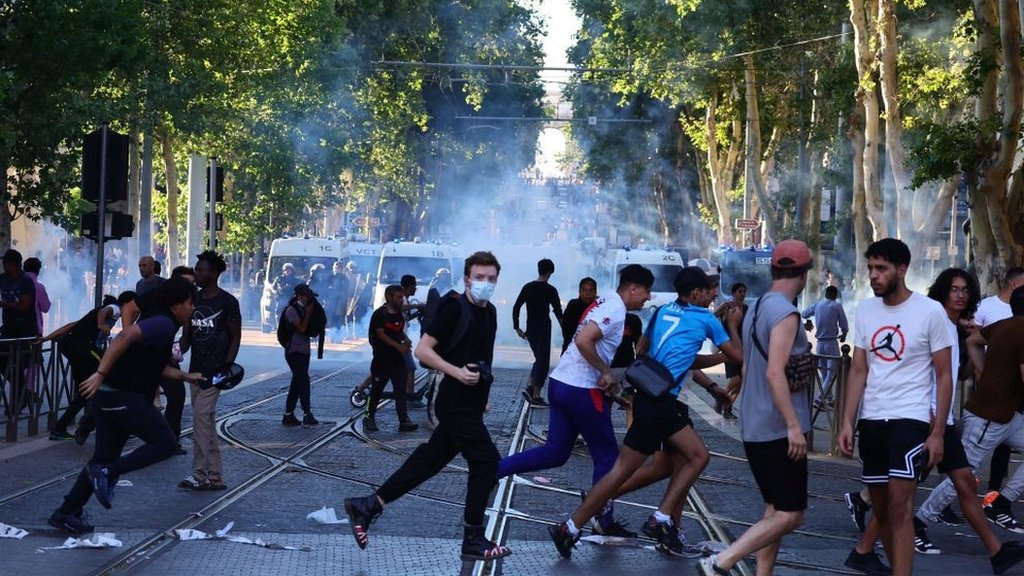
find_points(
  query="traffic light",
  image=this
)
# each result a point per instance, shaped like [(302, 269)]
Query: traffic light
[(116, 168), (219, 222), (118, 226), (219, 185)]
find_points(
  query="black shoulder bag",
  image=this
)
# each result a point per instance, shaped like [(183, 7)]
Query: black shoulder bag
[(647, 374)]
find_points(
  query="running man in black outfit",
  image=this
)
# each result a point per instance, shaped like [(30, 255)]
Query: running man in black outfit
[(465, 361), (538, 297), (575, 310), (77, 343), (390, 345), (121, 391)]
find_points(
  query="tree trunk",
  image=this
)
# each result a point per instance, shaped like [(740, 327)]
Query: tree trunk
[(5, 214), (171, 172), (861, 226), (716, 172), (889, 79), (134, 187), (863, 17), (994, 245), (753, 151)]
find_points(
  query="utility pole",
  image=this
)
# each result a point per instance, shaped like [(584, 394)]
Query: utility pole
[(211, 183), (146, 196), (101, 217)]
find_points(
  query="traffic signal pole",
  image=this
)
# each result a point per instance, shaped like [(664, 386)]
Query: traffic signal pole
[(101, 209), (211, 183)]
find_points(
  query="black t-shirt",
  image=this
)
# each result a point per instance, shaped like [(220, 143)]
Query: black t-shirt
[(571, 320), (80, 340), (18, 324), (538, 297), (210, 339), (139, 368), (394, 327), (626, 352), (477, 344)]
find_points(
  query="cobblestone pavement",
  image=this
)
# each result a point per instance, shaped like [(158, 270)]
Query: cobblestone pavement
[(278, 475)]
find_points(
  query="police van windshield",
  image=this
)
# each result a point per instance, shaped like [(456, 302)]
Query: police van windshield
[(365, 263), (752, 268), (302, 265), (664, 276), (392, 268)]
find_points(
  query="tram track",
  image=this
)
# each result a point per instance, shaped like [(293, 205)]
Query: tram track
[(57, 479), (500, 513)]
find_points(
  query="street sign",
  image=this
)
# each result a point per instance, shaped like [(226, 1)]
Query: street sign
[(747, 223), (363, 221), (932, 252)]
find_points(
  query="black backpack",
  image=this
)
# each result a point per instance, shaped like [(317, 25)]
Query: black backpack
[(461, 328), (285, 330), (317, 327)]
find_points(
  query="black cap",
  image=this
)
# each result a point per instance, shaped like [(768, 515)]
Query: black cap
[(226, 378), (690, 278), (305, 290)]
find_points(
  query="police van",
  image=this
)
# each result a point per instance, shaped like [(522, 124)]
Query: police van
[(751, 266), (421, 259), (302, 254), (665, 264)]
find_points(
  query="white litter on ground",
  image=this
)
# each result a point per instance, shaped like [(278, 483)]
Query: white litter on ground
[(326, 515), (7, 531), (94, 541), (222, 534)]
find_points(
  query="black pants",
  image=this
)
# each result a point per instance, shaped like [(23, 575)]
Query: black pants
[(382, 371), (82, 366), (174, 390), (455, 434), (999, 468), (540, 344), (120, 415), (298, 390)]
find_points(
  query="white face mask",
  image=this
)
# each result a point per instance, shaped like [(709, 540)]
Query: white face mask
[(481, 290)]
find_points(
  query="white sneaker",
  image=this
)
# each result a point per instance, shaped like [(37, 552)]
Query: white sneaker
[(708, 566)]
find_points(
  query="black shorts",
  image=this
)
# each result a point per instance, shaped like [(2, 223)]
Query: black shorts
[(655, 420), (891, 449), (953, 455), (783, 482)]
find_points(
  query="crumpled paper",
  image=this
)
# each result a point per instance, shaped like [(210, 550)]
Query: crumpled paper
[(96, 540), (8, 531), (615, 541), (222, 534), (326, 515)]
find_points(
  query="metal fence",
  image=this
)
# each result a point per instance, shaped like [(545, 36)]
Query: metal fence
[(37, 384)]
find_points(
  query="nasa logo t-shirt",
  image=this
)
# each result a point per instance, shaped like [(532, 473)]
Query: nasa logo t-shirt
[(899, 342), (210, 331)]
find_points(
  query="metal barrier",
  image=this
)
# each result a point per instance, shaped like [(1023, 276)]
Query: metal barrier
[(36, 377), (833, 389)]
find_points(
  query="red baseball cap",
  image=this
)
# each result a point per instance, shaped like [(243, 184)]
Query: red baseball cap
[(792, 254)]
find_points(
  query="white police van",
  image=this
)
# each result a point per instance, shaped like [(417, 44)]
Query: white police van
[(421, 259), (665, 264), (302, 254)]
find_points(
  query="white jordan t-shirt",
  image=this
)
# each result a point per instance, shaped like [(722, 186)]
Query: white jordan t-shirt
[(610, 316), (899, 342)]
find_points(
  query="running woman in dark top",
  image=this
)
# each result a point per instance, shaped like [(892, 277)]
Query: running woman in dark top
[(538, 297)]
